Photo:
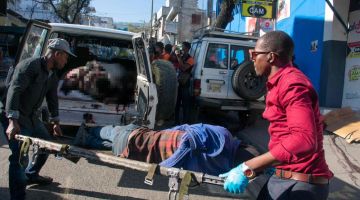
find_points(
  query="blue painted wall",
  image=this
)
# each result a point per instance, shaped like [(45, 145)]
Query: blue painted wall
[(238, 24), (305, 24)]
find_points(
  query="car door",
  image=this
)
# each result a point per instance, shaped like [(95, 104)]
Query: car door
[(215, 71), (33, 43), (146, 94)]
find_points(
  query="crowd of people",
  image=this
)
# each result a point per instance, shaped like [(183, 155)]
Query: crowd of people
[(183, 63), (296, 155)]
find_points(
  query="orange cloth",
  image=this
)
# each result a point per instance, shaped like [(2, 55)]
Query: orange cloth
[(190, 61), (165, 56)]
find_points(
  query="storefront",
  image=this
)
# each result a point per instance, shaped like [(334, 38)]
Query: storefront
[(320, 33), (351, 95)]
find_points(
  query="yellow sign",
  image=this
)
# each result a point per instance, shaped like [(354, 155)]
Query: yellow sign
[(258, 8)]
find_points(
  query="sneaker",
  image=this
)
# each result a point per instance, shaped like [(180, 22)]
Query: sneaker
[(80, 138), (39, 180)]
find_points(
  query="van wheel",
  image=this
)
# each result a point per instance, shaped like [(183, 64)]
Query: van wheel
[(246, 84), (164, 76)]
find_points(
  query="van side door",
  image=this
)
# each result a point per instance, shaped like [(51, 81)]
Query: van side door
[(146, 94), (33, 43)]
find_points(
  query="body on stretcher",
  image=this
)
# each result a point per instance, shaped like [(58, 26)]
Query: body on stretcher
[(179, 180)]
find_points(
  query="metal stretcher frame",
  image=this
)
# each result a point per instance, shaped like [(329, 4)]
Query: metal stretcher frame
[(179, 180)]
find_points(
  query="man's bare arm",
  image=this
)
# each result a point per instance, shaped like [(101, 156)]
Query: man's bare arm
[(261, 162)]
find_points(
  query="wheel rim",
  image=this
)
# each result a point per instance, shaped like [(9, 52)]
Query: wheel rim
[(251, 81)]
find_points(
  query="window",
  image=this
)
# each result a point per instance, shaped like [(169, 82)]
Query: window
[(195, 19), (238, 54), (217, 56), (34, 43), (192, 49), (197, 51)]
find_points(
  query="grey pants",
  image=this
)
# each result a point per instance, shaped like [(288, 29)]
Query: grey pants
[(284, 189)]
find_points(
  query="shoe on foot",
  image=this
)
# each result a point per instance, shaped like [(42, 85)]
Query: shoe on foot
[(81, 136), (39, 180)]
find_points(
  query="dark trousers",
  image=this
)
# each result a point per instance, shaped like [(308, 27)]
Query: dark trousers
[(18, 174), (184, 102), (288, 189), (95, 141)]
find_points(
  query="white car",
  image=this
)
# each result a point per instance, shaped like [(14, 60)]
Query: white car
[(223, 76), (135, 90)]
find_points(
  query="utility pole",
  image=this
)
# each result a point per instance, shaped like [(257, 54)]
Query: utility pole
[(151, 18), (210, 11)]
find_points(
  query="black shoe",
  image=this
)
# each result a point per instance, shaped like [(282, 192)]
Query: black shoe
[(39, 180)]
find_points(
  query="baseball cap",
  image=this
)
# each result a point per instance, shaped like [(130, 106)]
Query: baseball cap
[(60, 44)]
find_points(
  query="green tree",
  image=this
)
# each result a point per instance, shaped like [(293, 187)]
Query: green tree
[(68, 10), (135, 29)]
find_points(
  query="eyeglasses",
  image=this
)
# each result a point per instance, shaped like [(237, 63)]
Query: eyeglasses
[(254, 53)]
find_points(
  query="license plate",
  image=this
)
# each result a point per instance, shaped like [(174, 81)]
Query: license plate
[(214, 87)]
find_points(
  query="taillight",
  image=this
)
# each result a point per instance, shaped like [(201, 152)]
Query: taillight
[(197, 87)]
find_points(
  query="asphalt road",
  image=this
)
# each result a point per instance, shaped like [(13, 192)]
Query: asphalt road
[(91, 180)]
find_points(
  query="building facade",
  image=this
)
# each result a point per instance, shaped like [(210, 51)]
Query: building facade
[(321, 31), (91, 20), (177, 20)]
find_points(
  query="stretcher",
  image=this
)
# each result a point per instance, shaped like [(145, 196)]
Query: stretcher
[(179, 180)]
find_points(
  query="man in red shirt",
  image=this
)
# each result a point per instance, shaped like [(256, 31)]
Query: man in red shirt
[(296, 129)]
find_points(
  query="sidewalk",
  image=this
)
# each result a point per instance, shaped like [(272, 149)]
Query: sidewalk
[(342, 158)]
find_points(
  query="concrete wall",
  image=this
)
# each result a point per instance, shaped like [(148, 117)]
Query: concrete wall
[(334, 55), (306, 26)]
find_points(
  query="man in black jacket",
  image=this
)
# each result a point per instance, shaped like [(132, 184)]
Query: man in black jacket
[(32, 81)]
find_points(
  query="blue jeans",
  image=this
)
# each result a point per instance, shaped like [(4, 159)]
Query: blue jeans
[(111, 136), (18, 174), (95, 141)]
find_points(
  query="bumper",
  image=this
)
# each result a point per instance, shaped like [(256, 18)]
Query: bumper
[(226, 104)]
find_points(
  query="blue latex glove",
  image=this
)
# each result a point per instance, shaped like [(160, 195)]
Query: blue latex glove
[(235, 181)]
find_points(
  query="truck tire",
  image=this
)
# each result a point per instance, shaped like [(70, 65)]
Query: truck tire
[(246, 84), (164, 76)]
